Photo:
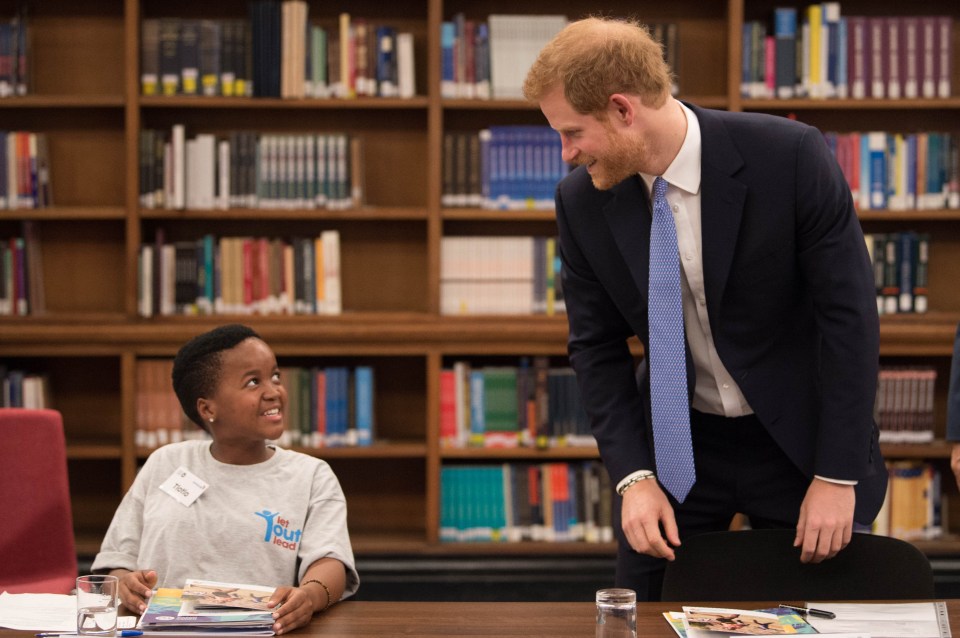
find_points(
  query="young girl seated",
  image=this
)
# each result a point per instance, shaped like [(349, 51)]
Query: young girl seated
[(235, 509)]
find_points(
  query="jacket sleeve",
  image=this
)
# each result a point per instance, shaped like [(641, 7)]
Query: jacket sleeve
[(598, 348)]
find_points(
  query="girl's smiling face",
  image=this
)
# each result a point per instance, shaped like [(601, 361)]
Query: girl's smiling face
[(248, 403)]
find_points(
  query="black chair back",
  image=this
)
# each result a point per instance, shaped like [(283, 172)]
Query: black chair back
[(764, 565)]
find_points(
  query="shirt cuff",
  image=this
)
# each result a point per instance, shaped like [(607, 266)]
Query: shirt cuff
[(837, 481)]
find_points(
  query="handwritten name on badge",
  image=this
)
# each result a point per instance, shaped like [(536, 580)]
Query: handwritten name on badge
[(184, 486)]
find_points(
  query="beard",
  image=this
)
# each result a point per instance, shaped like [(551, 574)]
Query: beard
[(622, 159)]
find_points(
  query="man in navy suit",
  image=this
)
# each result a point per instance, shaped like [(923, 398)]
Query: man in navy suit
[(779, 306)]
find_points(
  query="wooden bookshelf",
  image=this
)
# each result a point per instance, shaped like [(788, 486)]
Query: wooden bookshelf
[(86, 97)]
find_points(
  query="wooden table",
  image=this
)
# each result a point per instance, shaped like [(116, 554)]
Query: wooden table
[(362, 619), (499, 620)]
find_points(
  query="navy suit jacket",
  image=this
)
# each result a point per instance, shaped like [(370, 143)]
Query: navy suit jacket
[(789, 291)]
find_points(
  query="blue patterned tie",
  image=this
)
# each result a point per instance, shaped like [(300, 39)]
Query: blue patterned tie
[(667, 358)]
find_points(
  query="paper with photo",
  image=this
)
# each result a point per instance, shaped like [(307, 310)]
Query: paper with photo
[(735, 621), (208, 595)]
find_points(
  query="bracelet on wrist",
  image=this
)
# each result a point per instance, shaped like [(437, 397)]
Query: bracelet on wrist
[(630, 481), (325, 589)]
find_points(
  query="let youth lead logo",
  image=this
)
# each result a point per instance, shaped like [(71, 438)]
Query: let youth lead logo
[(278, 530)]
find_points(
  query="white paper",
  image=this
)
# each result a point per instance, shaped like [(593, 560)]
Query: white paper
[(45, 612), (883, 620)]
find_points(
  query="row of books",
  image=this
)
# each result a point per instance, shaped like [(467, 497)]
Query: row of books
[(913, 507), (250, 170), (530, 404), (502, 168), (489, 59), (500, 275), (15, 53), (278, 52), (24, 170), (899, 171), (326, 406), (240, 275), (904, 408), (900, 271), (819, 53), (22, 389), (21, 273), (514, 502), (329, 407), (485, 60)]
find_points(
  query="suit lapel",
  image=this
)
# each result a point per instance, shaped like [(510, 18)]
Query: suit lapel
[(721, 204), (628, 216)]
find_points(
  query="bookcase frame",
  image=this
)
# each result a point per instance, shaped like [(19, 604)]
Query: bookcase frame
[(86, 97)]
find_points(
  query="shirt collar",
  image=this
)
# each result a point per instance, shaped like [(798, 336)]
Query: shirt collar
[(684, 170)]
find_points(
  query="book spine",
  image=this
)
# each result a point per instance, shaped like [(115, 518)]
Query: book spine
[(785, 35)]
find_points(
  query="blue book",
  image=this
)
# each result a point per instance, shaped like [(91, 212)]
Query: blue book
[(831, 21), (877, 145), (935, 172), (907, 270), (484, 136), (448, 525), (386, 71), (448, 39), (481, 57), (363, 404), (785, 42), (498, 496), (746, 59), (477, 404), (842, 59), (911, 150)]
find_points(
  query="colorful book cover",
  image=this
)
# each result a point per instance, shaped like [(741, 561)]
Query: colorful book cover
[(162, 616)]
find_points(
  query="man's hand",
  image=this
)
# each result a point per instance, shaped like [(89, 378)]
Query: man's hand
[(136, 587), (645, 509), (826, 520)]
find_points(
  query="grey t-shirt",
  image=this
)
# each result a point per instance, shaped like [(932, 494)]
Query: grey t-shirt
[(258, 524)]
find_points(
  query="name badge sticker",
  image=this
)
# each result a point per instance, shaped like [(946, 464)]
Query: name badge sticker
[(184, 486)]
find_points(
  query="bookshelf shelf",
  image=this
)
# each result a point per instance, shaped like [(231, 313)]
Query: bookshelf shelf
[(480, 214), (944, 214), (266, 103), (914, 104), (933, 450), (93, 451), (79, 101), (63, 213), (520, 453), (368, 213), (86, 97)]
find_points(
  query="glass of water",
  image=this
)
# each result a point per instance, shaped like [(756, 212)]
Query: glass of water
[(616, 613), (97, 606)]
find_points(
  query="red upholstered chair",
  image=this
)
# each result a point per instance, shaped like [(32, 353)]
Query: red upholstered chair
[(37, 552)]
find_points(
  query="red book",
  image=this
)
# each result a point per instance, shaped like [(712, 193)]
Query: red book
[(877, 46), (857, 56), (944, 53), (910, 56), (247, 262), (448, 408), (928, 56)]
